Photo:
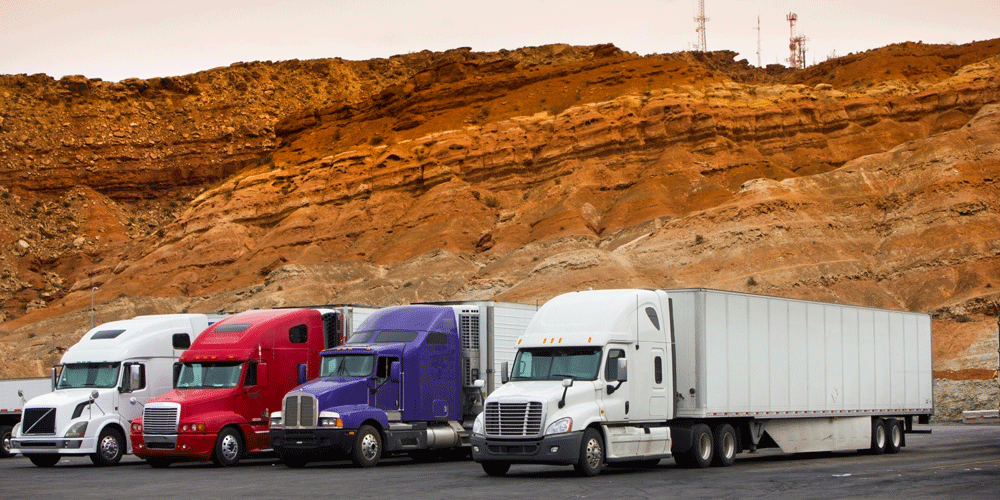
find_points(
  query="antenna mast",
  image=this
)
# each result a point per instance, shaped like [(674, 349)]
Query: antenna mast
[(702, 45), (796, 44)]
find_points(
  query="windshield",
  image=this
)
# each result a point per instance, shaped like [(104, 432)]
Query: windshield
[(382, 337), (202, 375), (346, 366), (79, 375), (579, 363)]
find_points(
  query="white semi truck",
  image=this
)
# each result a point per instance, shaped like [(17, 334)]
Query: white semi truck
[(13, 394), (89, 410), (615, 377)]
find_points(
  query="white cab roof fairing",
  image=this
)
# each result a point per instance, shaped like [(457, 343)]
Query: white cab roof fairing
[(140, 337), (593, 317)]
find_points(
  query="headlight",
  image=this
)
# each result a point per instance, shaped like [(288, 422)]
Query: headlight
[(275, 419), (334, 422), (77, 430), (192, 428), (477, 426), (137, 427), (560, 426)]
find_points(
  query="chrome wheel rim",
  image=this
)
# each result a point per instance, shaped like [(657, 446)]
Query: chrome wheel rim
[(594, 454), (230, 447), (705, 446), (109, 447), (369, 447), (729, 445)]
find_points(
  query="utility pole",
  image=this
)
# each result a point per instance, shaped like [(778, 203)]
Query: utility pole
[(758, 42)]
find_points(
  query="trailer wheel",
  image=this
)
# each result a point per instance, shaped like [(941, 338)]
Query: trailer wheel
[(702, 446), (894, 435), (110, 447), (496, 469), (228, 448), (724, 450), (5, 431), (591, 454), (159, 462), (47, 460), (367, 447), (878, 437)]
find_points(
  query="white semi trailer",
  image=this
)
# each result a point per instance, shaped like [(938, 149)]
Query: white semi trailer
[(13, 394), (89, 410), (634, 376)]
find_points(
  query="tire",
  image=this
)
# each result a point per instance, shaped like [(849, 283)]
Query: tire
[(5, 431), (879, 437), (159, 463), (894, 436), (591, 458), (47, 460), (702, 447), (228, 448), (367, 447), (110, 448), (724, 446), (496, 469)]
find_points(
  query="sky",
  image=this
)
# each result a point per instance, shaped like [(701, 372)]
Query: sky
[(117, 39)]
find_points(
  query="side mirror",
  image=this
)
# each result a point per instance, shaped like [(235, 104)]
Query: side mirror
[(480, 383), (55, 377), (395, 371), (262, 374), (567, 382), (504, 372), (622, 370), (94, 395), (301, 373), (132, 401)]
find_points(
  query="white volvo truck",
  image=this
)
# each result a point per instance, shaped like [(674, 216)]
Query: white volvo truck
[(634, 376), (89, 410)]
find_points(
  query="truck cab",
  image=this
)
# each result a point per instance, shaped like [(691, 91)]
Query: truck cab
[(228, 382), (404, 383), (88, 411), (572, 386)]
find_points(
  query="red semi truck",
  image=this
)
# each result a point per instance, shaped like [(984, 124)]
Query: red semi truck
[(231, 378)]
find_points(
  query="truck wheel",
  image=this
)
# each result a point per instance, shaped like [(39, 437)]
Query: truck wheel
[(367, 447), (47, 460), (5, 441), (496, 469), (878, 437), (894, 435), (724, 450), (110, 447), (591, 454), (702, 444), (159, 463), (228, 448)]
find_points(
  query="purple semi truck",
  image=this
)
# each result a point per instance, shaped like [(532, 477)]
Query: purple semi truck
[(405, 383)]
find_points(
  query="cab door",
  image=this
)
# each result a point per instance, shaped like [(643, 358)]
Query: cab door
[(387, 392), (616, 404)]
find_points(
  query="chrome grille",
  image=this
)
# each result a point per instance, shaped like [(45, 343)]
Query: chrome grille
[(299, 410), (514, 419), (39, 421), (160, 421)]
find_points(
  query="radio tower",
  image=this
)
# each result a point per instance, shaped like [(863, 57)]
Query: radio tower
[(702, 45), (796, 44)]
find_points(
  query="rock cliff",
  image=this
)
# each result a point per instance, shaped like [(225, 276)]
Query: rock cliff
[(869, 179)]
